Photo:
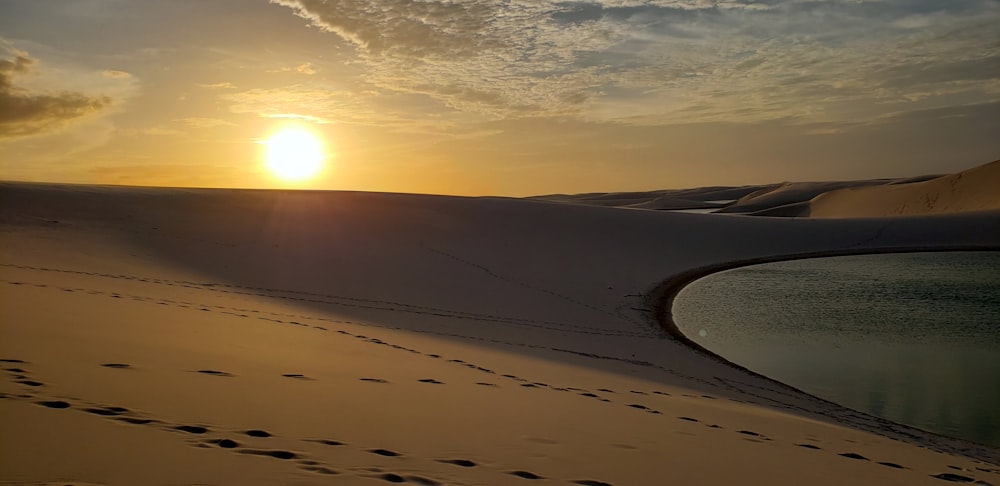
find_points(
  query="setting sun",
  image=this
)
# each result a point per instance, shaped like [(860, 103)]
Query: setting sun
[(294, 154)]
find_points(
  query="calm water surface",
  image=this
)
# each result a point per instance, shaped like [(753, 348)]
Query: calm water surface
[(914, 338)]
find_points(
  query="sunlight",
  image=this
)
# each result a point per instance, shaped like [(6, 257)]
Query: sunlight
[(294, 154)]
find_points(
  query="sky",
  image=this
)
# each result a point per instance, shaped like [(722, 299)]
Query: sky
[(498, 97)]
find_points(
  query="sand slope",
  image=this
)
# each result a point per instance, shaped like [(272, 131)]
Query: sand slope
[(697, 198), (976, 189), (167, 336)]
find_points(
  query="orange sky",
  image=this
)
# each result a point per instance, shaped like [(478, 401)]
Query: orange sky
[(519, 97)]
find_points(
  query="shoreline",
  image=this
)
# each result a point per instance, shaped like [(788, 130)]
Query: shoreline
[(662, 298)]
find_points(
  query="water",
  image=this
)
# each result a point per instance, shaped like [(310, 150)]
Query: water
[(913, 338)]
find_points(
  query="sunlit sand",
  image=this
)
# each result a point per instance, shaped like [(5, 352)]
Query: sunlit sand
[(188, 336)]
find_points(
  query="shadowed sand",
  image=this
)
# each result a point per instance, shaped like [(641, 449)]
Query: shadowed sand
[(169, 336)]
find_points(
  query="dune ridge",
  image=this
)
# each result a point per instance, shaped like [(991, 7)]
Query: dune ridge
[(976, 189), (273, 337)]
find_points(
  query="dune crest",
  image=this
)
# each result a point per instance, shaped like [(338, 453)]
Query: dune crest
[(976, 189)]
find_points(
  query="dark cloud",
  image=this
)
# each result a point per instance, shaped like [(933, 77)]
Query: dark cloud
[(25, 113)]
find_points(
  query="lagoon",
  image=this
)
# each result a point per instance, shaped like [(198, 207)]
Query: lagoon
[(913, 338)]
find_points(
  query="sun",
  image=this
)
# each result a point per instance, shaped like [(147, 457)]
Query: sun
[(294, 154)]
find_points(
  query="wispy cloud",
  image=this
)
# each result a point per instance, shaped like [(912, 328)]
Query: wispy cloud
[(306, 68), (219, 85), (204, 122), (325, 104), (114, 74), (24, 112), (673, 61)]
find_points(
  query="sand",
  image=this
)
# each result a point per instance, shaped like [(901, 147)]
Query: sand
[(975, 189), (169, 336)]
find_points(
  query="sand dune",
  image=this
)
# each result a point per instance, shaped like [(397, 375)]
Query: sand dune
[(976, 189), (971, 190), (168, 336), (697, 198), (790, 194)]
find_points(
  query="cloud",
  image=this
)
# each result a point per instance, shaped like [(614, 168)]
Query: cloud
[(202, 122), (305, 68), (25, 113), (113, 74), (672, 61), (220, 85)]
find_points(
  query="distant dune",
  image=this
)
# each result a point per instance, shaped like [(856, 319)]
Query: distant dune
[(669, 199), (976, 189), (789, 193)]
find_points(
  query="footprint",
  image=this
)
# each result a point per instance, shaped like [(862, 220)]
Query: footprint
[(216, 373), (528, 385), (689, 419), (225, 443), (458, 462), (377, 380), (955, 478), (117, 365), (591, 395), (277, 454), (483, 383), (853, 455), (591, 482), (525, 475), (393, 478), (106, 411), (326, 442), (385, 452), (809, 446), (30, 383), (11, 361), (191, 429), (605, 390), (15, 370), (748, 432), (297, 376), (257, 433), (54, 404), (892, 464), (321, 470), (136, 421), (431, 380), (422, 480), (640, 407)]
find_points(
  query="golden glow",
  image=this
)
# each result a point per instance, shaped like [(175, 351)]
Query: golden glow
[(294, 154)]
